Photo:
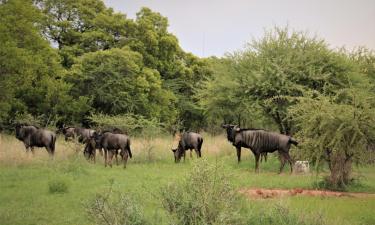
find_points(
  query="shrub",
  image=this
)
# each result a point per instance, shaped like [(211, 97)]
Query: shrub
[(114, 208), (281, 215), (204, 197), (335, 129), (57, 187)]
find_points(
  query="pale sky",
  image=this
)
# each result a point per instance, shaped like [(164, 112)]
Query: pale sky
[(214, 27)]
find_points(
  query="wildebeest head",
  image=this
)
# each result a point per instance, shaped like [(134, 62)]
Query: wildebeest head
[(19, 131), (177, 152), (97, 139), (231, 131)]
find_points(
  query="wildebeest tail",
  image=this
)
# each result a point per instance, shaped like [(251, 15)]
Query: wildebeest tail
[(293, 141), (128, 148), (53, 142), (200, 143)]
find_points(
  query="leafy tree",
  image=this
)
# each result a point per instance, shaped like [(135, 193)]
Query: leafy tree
[(77, 27), (335, 130), (117, 82), (30, 66), (285, 63)]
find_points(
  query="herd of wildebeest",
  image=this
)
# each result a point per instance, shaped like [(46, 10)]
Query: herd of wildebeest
[(113, 142)]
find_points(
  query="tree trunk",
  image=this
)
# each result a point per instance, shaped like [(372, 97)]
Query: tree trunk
[(341, 167)]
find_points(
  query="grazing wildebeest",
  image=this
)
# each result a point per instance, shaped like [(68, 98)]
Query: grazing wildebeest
[(33, 136), (260, 141), (76, 132), (90, 149), (188, 141), (112, 142)]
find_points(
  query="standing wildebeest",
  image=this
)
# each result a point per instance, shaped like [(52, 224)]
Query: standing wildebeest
[(188, 141), (33, 136), (90, 149), (260, 141), (112, 142), (76, 132)]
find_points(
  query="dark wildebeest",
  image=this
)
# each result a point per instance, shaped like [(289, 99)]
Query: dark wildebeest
[(33, 136), (260, 141), (111, 142), (76, 132), (188, 141), (90, 149), (90, 145)]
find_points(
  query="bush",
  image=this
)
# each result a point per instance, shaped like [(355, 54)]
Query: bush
[(204, 197), (58, 187), (281, 215), (114, 208)]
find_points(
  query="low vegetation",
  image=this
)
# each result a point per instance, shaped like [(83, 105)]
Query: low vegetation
[(145, 187)]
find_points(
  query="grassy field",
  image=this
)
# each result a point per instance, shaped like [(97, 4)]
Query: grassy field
[(25, 180)]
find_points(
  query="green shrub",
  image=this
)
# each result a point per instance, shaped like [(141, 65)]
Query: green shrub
[(57, 187), (114, 208), (204, 197), (281, 215)]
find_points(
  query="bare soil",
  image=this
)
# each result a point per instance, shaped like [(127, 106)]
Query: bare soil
[(276, 193)]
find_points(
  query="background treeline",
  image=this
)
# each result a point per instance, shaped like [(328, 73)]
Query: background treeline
[(66, 61), (77, 62)]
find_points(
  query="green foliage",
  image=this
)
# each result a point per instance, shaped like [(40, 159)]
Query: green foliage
[(338, 129), (57, 187), (130, 123), (117, 82), (204, 197), (280, 214), (115, 208), (256, 82), (32, 75)]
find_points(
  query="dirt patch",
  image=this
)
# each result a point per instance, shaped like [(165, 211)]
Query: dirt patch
[(276, 193)]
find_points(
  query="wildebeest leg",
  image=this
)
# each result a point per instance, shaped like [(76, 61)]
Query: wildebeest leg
[(116, 153), (110, 157), (32, 150), (94, 155), (191, 153), (282, 161), (257, 157), (105, 157), (183, 154), (124, 157), (238, 153), (287, 157), (263, 155)]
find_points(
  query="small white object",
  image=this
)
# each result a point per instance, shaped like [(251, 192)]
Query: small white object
[(301, 167)]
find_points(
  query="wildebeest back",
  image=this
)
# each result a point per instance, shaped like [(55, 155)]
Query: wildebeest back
[(261, 140)]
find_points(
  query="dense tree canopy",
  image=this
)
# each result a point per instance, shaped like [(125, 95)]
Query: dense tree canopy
[(66, 60)]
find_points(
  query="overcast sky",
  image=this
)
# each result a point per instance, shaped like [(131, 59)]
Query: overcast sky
[(214, 27)]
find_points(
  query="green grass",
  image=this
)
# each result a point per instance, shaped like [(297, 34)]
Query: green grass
[(25, 196)]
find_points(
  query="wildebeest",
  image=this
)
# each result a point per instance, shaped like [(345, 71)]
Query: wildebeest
[(188, 141), (90, 149), (111, 142), (33, 136), (77, 132), (260, 141)]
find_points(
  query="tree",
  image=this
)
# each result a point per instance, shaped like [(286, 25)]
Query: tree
[(117, 82), (285, 63), (336, 130), (30, 67)]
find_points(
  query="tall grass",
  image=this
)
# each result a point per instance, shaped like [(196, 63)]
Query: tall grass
[(25, 182)]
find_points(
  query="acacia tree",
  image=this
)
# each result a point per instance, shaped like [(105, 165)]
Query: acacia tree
[(288, 63), (337, 129)]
